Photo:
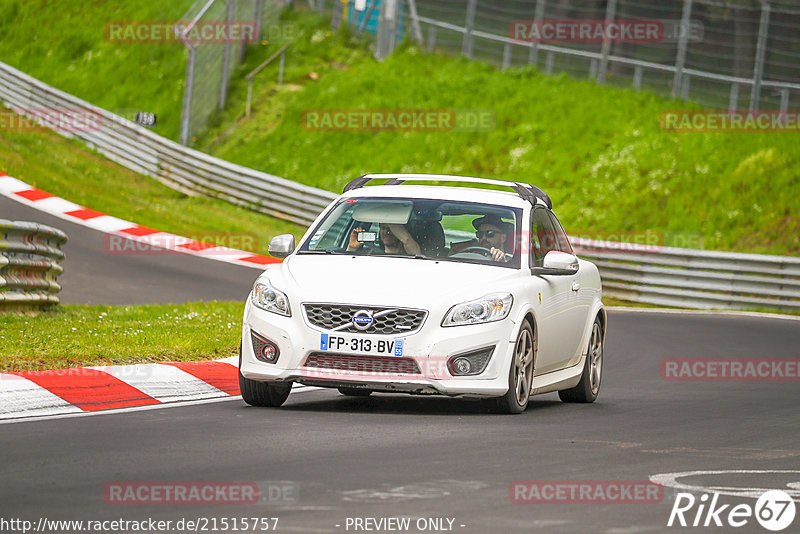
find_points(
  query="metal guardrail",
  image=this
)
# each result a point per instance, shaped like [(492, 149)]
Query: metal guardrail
[(667, 276), (172, 164), (701, 279), (29, 256)]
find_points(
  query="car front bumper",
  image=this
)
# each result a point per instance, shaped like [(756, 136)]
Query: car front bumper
[(425, 352)]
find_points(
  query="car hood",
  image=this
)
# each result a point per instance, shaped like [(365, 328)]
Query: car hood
[(383, 280)]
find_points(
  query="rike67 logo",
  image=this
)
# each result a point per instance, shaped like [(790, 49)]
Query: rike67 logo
[(774, 510)]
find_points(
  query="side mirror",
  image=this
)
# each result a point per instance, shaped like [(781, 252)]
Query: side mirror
[(557, 263), (281, 245)]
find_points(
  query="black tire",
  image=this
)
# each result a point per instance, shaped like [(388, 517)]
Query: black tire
[(355, 392), (257, 393), (589, 386), (520, 373)]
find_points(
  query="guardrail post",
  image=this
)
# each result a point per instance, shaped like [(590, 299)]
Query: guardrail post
[(637, 77), (506, 56), (412, 10), (259, 14), (548, 64), (388, 23), (466, 45), (784, 100), (683, 40), (226, 57), (602, 71), (761, 50), (733, 102), (336, 19), (431, 38), (538, 16), (281, 67), (249, 97), (186, 110)]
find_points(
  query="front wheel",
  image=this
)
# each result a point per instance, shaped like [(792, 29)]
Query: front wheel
[(257, 393), (520, 374), (589, 386)]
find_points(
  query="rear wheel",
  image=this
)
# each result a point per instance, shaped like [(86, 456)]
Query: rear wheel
[(520, 374), (355, 392), (257, 393), (589, 386)]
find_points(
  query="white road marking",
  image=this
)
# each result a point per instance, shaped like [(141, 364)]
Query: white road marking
[(424, 490), (670, 480), (80, 413)]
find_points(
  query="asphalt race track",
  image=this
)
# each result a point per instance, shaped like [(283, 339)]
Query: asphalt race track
[(423, 457)]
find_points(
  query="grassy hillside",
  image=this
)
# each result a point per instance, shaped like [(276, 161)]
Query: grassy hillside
[(63, 44), (598, 151)]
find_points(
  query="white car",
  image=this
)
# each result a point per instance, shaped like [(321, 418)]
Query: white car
[(463, 291)]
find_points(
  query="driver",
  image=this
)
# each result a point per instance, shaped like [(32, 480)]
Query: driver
[(492, 233)]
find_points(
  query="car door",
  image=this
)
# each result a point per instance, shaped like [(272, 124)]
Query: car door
[(581, 299), (557, 312)]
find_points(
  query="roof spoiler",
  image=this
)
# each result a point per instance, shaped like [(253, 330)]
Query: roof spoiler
[(526, 191)]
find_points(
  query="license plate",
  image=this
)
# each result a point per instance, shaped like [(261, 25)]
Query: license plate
[(361, 345)]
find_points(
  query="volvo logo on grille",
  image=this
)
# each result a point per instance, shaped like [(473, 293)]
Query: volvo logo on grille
[(362, 319)]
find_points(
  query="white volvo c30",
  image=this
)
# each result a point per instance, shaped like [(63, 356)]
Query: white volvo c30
[(451, 290)]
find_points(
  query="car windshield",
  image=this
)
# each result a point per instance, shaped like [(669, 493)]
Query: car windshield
[(446, 230)]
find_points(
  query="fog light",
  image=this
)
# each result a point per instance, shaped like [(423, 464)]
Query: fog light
[(462, 366), (470, 363), (265, 350)]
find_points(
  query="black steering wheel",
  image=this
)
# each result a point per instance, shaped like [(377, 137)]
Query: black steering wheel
[(483, 251), (475, 249)]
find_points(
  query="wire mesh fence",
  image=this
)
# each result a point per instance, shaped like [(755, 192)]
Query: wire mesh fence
[(728, 54), (216, 35)]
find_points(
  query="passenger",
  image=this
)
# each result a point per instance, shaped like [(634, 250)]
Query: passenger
[(395, 239)]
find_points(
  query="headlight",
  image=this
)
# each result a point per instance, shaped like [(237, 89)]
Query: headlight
[(494, 307), (266, 297)]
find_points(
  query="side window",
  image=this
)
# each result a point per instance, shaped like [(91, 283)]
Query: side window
[(561, 240), (542, 236)]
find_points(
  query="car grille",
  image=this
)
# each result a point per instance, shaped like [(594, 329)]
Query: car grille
[(363, 364), (385, 320)]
